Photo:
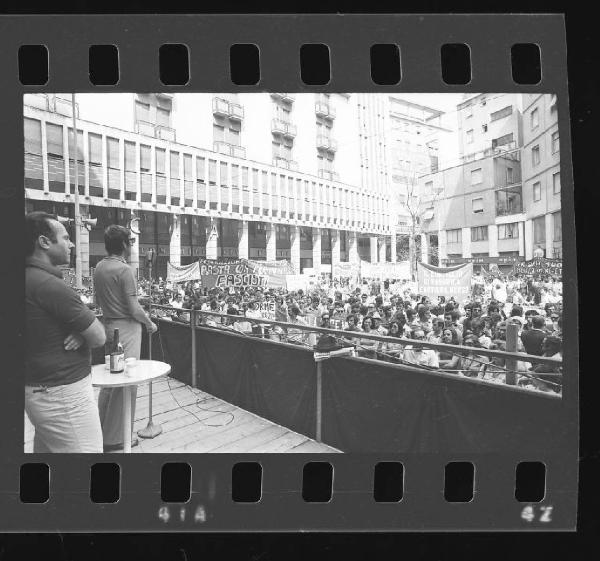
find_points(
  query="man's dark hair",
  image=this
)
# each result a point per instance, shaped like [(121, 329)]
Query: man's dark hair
[(538, 322), (38, 224), (114, 236), (516, 311), (531, 313)]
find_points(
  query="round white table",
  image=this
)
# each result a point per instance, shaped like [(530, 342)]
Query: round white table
[(144, 371)]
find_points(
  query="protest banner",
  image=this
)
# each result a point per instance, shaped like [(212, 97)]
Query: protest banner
[(242, 273), (445, 281), (183, 273), (345, 270), (267, 310), (392, 271), (296, 282), (538, 266)]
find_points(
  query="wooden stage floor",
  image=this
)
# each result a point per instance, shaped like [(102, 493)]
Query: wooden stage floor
[(194, 421)]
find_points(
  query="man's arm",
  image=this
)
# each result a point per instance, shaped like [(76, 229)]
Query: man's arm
[(136, 311), (94, 335)]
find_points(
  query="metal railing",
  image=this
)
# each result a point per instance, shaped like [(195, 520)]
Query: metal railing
[(298, 334)]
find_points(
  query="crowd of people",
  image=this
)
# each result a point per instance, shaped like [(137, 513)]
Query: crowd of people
[(393, 309)]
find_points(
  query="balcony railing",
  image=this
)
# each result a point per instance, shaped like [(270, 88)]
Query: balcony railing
[(229, 149), (325, 142), (144, 127), (286, 97), (324, 110), (165, 133), (224, 108), (328, 174), (285, 163), (278, 126)]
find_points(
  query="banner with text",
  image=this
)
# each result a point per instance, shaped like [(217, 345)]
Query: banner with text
[(183, 273), (242, 273), (445, 281), (345, 269), (539, 266), (391, 271)]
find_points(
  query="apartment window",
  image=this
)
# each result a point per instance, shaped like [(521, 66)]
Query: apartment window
[(479, 234), (477, 205), (535, 155), (502, 140), (556, 183), (219, 133), (454, 236), (112, 146), (163, 117), (468, 111), (557, 225), (555, 142), (470, 136), (33, 137), (539, 230), (501, 113), (142, 111), (160, 161), (476, 176), (145, 160), (509, 176), (537, 191), (535, 118), (508, 231), (54, 139)]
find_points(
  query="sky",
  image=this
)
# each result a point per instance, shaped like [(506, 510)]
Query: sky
[(443, 101)]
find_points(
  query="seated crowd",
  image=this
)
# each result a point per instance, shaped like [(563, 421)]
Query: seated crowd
[(373, 309)]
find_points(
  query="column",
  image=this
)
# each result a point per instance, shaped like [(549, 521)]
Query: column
[(425, 248), (335, 248), (353, 256), (175, 245), (528, 240), (493, 240), (316, 233), (66, 159), (521, 227), (45, 158), (122, 168), (442, 246), (212, 237), (373, 241), (134, 257), (382, 249), (466, 242), (271, 242), (84, 242), (105, 167), (243, 240), (393, 243), (295, 248), (549, 236), (86, 163)]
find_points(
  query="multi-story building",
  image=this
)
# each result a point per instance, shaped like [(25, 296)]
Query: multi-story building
[(420, 141), (259, 176), (541, 175), (502, 199)]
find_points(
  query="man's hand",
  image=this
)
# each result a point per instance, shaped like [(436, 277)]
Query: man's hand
[(73, 341), (152, 328)]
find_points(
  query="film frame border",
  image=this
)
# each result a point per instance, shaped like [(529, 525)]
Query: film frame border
[(279, 38)]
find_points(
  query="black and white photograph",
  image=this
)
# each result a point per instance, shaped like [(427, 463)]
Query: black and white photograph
[(293, 273)]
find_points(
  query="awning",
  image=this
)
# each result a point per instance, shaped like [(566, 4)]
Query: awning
[(428, 215)]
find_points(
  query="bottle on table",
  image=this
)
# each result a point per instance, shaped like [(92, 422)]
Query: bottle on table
[(117, 355)]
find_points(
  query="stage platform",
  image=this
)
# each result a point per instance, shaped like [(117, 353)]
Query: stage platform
[(195, 421)]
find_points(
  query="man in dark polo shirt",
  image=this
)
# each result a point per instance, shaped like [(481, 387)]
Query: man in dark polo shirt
[(59, 332), (116, 294)]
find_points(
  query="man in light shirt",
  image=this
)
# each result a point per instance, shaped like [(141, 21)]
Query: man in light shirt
[(417, 355)]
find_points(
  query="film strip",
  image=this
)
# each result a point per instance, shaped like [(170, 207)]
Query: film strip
[(428, 479)]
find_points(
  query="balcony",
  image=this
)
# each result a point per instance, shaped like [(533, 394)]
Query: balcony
[(285, 163), (328, 174), (229, 149), (164, 133), (38, 100), (326, 143), (285, 97), (324, 110), (283, 128), (223, 108), (509, 201), (144, 127)]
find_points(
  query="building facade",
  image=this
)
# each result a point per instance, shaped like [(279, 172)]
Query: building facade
[(259, 176), (501, 200)]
